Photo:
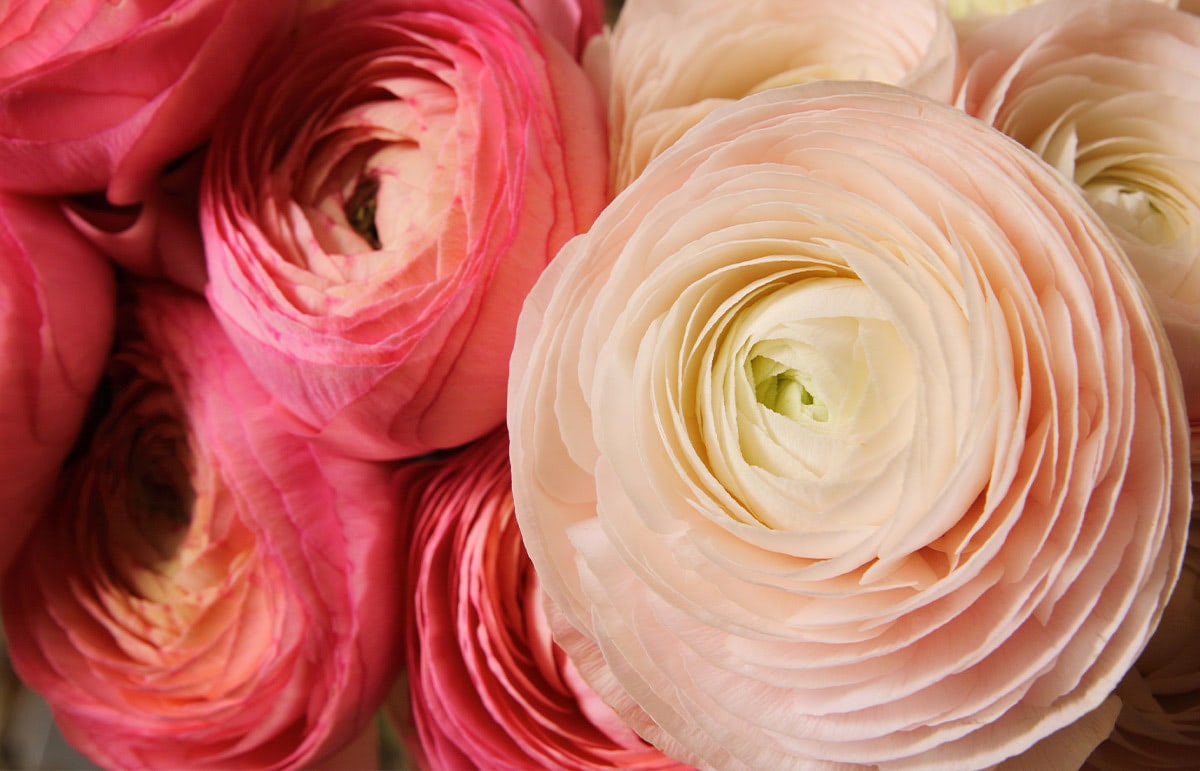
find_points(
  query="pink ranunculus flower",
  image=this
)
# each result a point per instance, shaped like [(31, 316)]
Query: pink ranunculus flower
[(845, 436), (1109, 94), (102, 95), (379, 204), (57, 297), (667, 63), (207, 590), (488, 688)]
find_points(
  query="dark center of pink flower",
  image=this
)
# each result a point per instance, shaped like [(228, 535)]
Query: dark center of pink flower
[(360, 211), (160, 496)]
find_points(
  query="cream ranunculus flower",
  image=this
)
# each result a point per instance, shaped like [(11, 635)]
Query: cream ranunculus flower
[(1109, 94), (667, 63), (845, 438)]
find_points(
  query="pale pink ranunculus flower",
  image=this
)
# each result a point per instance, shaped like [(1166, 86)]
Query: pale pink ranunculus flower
[(667, 63), (1109, 94), (57, 296), (846, 436), (101, 95), (488, 688), (207, 590), (380, 202)]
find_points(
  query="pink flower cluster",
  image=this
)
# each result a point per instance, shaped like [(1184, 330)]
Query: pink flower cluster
[(781, 384)]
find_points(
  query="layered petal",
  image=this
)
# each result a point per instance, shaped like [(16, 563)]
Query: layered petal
[(1159, 723), (380, 202), (57, 297), (206, 590), (845, 438)]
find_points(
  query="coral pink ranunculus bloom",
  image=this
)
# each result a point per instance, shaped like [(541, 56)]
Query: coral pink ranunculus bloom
[(207, 590), (56, 321), (99, 95), (1109, 94), (381, 201), (846, 436), (667, 63), (489, 688)]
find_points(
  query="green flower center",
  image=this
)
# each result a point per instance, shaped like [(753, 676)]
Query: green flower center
[(360, 211), (782, 390)]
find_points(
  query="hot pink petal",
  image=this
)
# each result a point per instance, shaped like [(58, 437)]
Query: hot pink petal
[(56, 321), (103, 95)]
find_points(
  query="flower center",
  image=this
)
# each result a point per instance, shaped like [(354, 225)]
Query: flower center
[(160, 496), (781, 389), (1140, 210), (360, 211)]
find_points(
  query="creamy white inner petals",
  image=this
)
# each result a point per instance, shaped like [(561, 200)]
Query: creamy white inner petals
[(813, 371)]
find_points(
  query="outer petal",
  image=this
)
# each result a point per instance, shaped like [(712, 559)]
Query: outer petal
[(102, 95), (207, 590), (1159, 723), (375, 216), (56, 320), (489, 688), (1109, 94), (845, 438)]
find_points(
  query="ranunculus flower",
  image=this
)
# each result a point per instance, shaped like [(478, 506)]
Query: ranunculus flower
[(207, 589), (667, 63), (489, 688), (1109, 94), (845, 436), (56, 322), (99, 95), (381, 201)]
